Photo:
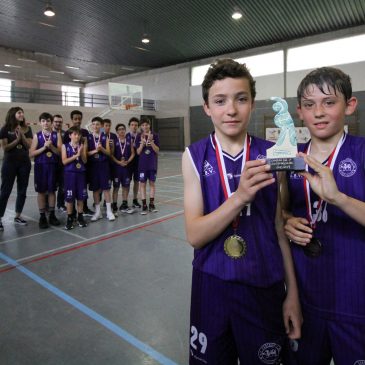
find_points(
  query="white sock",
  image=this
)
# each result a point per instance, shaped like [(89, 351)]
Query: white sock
[(109, 207), (97, 208)]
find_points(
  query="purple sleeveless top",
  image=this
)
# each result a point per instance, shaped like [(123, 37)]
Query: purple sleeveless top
[(47, 156), (72, 166), (262, 266), (127, 146), (148, 157), (91, 146), (333, 284)]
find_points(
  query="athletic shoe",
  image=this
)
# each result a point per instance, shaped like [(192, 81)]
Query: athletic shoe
[(69, 224), (21, 221), (152, 208), (110, 216), (123, 208), (43, 222), (53, 221), (62, 209), (88, 212), (130, 211), (136, 204), (1, 227), (144, 210), (81, 221), (96, 216), (115, 209)]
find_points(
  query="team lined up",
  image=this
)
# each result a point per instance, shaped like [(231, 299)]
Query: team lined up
[(70, 160)]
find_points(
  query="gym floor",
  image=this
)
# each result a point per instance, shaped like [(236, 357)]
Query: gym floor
[(111, 293)]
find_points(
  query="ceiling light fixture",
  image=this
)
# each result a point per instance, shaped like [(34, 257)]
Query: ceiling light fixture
[(145, 38), (237, 14), (49, 11), (13, 66), (57, 72), (73, 67), (26, 60), (4, 72)]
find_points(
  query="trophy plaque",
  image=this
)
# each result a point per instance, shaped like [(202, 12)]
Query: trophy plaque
[(283, 155)]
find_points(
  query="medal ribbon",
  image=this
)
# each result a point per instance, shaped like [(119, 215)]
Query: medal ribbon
[(96, 140), (122, 149), (75, 150), (222, 169), (312, 218)]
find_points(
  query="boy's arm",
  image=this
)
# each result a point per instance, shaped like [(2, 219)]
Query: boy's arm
[(324, 185), (200, 228), (291, 308), (55, 149), (33, 151), (66, 160), (155, 146), (297, 229), (141, 145)]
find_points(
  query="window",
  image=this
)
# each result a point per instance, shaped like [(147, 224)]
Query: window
[(70, 95), (5, 90), (337, 52), (259, 65)]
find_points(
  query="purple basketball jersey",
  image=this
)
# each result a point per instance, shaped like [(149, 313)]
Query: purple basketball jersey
[(148, 157), (92, 142), (47, 156), (333, 284), (262, 266)]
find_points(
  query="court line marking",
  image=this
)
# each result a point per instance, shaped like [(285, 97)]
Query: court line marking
[(111, 326), (89, 241), (168, 177)]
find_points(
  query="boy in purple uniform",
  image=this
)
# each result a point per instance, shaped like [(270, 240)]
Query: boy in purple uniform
[(147, 145), (244, 300), (45, 149), (99, 169), (57, 127), (123, 156), (74, 159), (325, 222), (133, 125)]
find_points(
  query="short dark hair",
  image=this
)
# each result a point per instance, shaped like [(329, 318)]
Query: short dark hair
[(133, 119), (58, 116), (74, 129), (97, 119), (326, 79), (75, 112), (106, 120), (223, 68), (145, 120), (46, 115), (119, 125)]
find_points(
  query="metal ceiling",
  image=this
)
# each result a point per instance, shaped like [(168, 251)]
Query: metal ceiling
[(103, 38)]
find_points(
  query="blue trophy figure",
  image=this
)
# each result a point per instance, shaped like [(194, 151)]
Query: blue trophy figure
[(282, 156)]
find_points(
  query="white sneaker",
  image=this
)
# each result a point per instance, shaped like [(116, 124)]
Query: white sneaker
[(130, 211), (110, 216), (96, 216)]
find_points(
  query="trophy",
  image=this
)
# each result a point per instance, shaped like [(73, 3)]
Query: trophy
[(283, 155)]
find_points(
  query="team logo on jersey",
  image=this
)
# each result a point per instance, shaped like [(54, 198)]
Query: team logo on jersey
[(347, 167), (295, 176), (208, 169), (261, 157), (269, 353), (359, 362)]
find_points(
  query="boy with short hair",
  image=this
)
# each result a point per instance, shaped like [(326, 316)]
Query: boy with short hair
[(99, 169), (45, 149), (74, 159), (148, 147), (133, 125), (123, 156), (325, 220), (244, 299)]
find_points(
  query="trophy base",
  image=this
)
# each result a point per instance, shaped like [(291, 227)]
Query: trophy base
[(286, 163)]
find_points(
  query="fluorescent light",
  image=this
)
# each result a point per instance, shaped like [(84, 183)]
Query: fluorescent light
[(57, 72), (237, 14), (108, 73), (26, 60), (76, 80), (13, 66), (92, 77), (47, 25), (145, 39), (49, 11), (127, 68), (4, 72), (42, 76), (73, 67)]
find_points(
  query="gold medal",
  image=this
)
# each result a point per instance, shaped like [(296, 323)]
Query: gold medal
[(78, 165), (235, 247), (147, 152), (19, 146), (96, 155), (49, 154)]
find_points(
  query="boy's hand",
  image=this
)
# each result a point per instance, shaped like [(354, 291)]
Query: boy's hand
[(255, 176), (298, 230), (293, 318), (80, 150), (47, 143), (98, 147), (323, 182)]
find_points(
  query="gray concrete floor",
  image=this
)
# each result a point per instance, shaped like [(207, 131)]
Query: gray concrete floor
[(112, 293)]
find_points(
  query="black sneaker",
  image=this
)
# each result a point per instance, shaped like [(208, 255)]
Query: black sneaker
[(62, 209), (69, 224), (53, 221), (123, 208), (21, 221), (81, 221), (88, 212), (43, 222), (144, 210), (104, 204), (1, 227), (136, 204), (152, 208)]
